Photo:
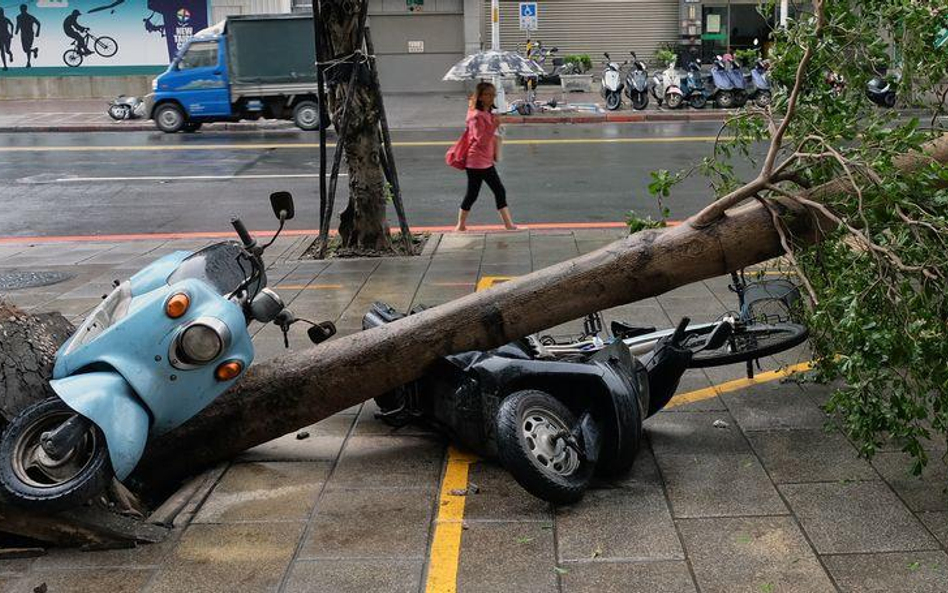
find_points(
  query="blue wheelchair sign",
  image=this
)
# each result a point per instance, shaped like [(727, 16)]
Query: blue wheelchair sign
[(528, 16)]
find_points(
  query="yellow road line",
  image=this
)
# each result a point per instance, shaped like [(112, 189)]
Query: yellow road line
[(709, 392), (311, 145), (446, 544)]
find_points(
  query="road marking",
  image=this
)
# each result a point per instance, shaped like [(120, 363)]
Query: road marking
[(312, 145), (539, 226), (737, 384), (446, 543), (187, 177)]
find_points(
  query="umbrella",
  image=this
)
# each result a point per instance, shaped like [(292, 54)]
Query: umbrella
[(485, 64)]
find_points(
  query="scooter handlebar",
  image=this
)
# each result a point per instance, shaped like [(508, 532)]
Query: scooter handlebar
[(243, 233), (680, 330)]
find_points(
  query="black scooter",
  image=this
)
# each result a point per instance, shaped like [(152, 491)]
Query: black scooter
[(882, 89), (552, 423)]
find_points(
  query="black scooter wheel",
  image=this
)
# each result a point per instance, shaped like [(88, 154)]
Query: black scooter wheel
[(698, 101), (640, 101), (613, 101), (528, 423), (31, 478)]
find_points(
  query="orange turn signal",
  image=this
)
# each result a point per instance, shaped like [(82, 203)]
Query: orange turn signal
[(228, 370), (177, 305)]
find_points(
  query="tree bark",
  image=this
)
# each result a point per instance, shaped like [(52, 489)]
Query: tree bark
[(300, 388), (28, 345), (362, 225)]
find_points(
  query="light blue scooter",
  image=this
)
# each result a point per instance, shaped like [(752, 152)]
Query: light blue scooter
[(160, 348)]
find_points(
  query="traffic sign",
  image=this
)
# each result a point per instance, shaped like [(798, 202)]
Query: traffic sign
[(528, 16)]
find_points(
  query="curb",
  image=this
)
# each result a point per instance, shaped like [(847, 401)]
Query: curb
[(287, 126)]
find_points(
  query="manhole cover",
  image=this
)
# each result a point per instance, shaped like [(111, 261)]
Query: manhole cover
[(19, 280)]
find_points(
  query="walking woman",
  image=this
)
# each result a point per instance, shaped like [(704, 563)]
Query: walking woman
[(481, 154)]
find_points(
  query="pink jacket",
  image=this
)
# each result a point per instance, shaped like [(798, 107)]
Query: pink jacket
[(481, 127)]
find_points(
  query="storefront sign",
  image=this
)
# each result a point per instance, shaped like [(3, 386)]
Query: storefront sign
[(528, 16), (123, 36)]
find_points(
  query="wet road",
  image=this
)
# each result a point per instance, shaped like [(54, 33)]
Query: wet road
[(118, 183)]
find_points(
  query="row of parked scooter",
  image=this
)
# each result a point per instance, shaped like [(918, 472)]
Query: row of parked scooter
[(727, 85)]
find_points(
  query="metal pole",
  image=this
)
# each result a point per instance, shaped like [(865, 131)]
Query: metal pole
[(495, 45), (321, 98), (728, 32), (784, 9)]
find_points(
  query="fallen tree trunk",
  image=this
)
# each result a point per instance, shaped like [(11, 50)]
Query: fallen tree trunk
[(298, 389)]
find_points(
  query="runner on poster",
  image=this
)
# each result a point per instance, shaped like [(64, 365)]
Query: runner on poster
[(136, 33)]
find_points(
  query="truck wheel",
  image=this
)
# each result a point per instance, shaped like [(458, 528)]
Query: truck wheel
[(530, 425), (169, 118), (32, 477), (306, 115)]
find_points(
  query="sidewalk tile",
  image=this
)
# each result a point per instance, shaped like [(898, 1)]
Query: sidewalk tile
[(234, 558), (627, 577), (937, 523), (142, 556), (392, 461), (265, 491), (718, 485), (856, 517), (918, 572), (15, 566), (82, 580), (379, 523), (355, 576), (809, 456), (683, 433), (752, 555), (920, 493), (323, 443), (499, 497), (773, 405), (369, 425), (644, 471), (504, 557), (618, 524)]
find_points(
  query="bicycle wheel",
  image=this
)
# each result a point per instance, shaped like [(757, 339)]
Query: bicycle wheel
[(72, 58), (752, 342), (105, 46)]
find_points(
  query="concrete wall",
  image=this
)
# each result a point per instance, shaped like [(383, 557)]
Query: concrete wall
[(74, 87)]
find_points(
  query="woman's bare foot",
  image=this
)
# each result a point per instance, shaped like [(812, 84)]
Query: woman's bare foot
[(512, 227), (507, 219), (460, 229)]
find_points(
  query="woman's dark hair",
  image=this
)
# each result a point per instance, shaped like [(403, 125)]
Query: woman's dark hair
[(475, 102)]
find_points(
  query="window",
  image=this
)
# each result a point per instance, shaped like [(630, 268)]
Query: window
[(201, 54)]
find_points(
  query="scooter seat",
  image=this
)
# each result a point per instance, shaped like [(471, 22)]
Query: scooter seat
[(624, 330)]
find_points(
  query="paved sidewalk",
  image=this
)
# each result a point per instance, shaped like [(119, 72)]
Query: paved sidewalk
[(405, 112), (741, 488)]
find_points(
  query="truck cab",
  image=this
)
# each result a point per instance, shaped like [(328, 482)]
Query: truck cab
[(241, 68)]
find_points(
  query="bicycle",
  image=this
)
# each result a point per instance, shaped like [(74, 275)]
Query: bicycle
[(762, 326), (105, 46)]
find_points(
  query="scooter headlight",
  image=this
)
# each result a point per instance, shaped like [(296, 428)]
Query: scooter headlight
[(200, 344)]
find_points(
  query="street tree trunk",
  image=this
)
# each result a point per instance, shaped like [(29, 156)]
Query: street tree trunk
[(362, 224)]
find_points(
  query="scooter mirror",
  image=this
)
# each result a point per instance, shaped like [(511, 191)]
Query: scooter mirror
[(282, 203)]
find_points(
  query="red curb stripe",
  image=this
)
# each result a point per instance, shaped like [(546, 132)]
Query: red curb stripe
[(116, 238)]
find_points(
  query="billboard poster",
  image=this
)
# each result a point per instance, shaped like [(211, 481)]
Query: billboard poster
[(102, 37)]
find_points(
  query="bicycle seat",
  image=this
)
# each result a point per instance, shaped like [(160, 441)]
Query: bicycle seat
[(624, 330)]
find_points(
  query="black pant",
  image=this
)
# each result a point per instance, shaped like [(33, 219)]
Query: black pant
[(474, 179)]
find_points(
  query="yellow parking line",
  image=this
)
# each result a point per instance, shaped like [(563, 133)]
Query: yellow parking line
[(709, 392), (488, 281), (446, 544), (310, 286), (312, 145)]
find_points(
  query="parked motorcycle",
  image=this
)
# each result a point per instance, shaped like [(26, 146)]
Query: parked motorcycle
[(552, 65), (636, 83), (735, 73), (122, 107), (693, 87), (881, 89), (611, 88), (720, 86), (665, 86), (760, 91), (159, 348)]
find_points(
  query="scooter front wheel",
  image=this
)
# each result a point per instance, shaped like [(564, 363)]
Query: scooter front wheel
[(32, 477), (698, 101), (533, 442), (613, 101), (763, 99), (640, 101)]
